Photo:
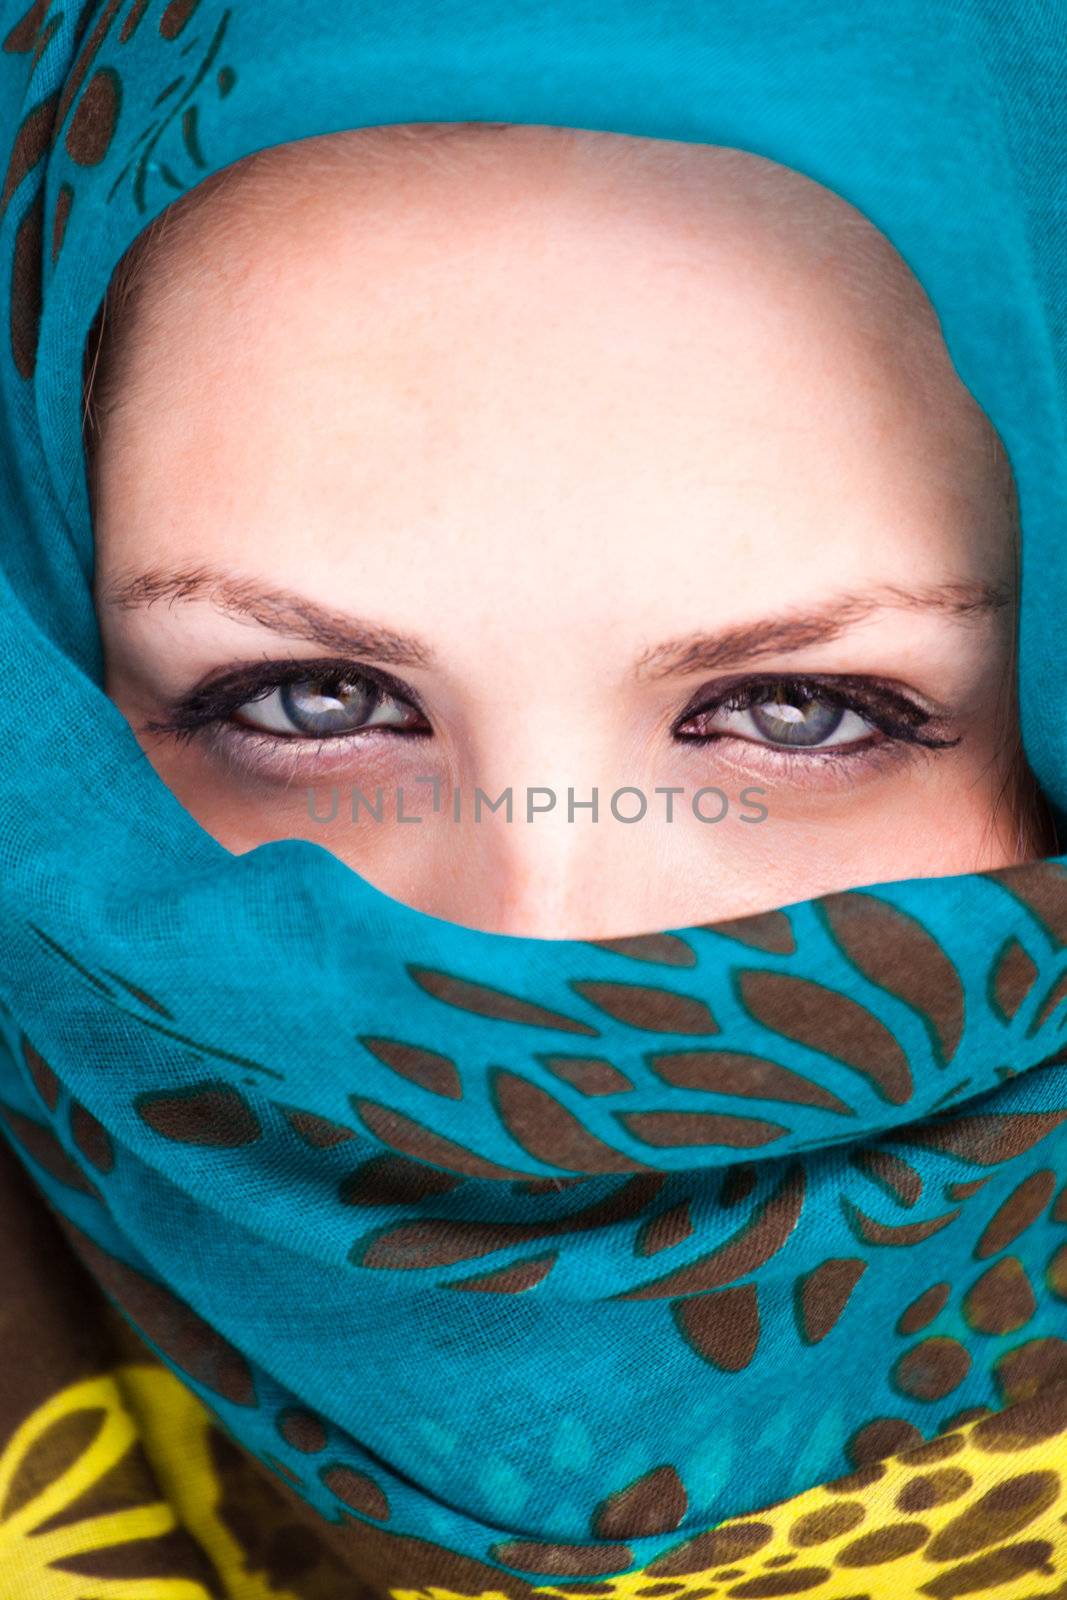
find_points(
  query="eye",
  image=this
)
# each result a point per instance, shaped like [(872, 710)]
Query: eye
[(324, 707), (796, 714), (293, 703), (792, 717)]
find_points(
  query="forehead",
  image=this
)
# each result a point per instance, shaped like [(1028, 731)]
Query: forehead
[(409, 260), (420, 191), (424, 182)]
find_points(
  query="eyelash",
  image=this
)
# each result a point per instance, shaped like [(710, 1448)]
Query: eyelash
[(206, 713), (897, 718)]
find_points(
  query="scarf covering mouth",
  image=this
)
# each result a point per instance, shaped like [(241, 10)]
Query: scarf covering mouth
[(552, 1254)]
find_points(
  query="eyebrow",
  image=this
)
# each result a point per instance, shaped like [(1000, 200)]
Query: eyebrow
[(286, 612), (282, 610), (968, 600)]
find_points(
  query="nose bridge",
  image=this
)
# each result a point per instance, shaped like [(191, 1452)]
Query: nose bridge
[(548, 872)]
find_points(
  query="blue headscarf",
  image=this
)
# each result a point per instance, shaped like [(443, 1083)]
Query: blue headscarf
[(553, 1252)]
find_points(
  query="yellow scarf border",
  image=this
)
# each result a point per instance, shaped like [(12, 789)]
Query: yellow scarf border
[(979, 1511)]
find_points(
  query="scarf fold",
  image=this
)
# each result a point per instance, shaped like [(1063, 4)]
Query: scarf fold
[(560, 1258)]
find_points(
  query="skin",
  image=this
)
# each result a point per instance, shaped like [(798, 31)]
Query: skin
[(549, 406)]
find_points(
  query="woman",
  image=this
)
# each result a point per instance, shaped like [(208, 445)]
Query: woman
[(300, 1299), (818, 638)]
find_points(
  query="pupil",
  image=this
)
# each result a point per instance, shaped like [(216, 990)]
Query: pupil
[(791, 718), (327, 705)]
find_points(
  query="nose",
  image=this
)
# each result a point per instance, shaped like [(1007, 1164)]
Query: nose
[(558, 870)]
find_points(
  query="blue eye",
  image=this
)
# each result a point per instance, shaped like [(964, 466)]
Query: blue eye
[(319, 708), (796, 714), (295, 702), (791, 719)]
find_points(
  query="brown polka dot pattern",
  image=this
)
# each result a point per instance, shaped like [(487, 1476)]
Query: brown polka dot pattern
[(885, 1436), (411, 1138), (960, 1419), (209, 1113), (998, 1514), (549, 1131), (441, 1241), (964, 1191), (818, 1527), (1012, 978), (884, 1544), (924, 1309), (665, 949), (514, 1279), (91, 1138), (767, 930), (86, 56), (990, 1572), (44, 1079), (44, 1148), (895, 951), (670, 1228), (667, 1129), (46, 35), (319, 1132), (823, 1294), (428, 1068), (25, 308), (986, 1139), (60, 217), (853, 1482), (656, 1503), (829, 1022), (904, 1234), (484, 1001), (1024, 1425), (1056, 1273), (22, 36), (932, 1369), (590, 1075), (1041, 891), (752, 1077), (175, 17), (389, 1180), (940, 1448), (751, 1247), (541, 1559), (1021, 1373), (92, 127), (896, 1176), (357, 1491), (1022, 1207), (31, 144), (723, 1327), (1001, 1300), (716, 1548), (644, 1006), (302, 1430), (737, 1184), (133, 19), (1052, 1000), (930, 1489)]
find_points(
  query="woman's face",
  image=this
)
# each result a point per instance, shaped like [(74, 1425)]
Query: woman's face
[(535, 468)]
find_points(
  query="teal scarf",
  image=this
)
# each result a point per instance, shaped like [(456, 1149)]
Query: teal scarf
[(552, 1252)]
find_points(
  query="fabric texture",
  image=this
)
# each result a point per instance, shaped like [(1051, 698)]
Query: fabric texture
[(547, 1261)]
